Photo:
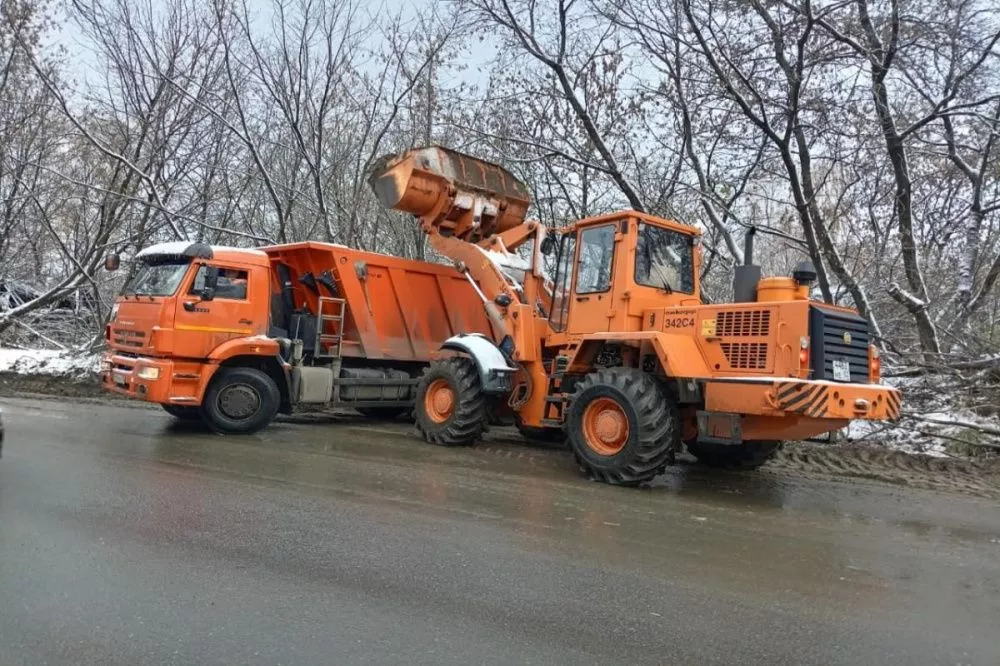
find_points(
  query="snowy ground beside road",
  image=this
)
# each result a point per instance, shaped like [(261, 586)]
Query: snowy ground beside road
[(47, 362)]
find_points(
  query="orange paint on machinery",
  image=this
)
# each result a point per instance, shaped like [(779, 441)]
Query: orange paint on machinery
[(595, 334)]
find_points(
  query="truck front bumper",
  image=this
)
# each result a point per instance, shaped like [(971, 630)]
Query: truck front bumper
[(165, 381)]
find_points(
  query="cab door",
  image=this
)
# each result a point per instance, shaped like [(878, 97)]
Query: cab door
[(216, 304), (591, 304)]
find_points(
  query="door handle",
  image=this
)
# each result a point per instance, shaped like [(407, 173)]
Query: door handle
[(580, 299), (190, 306)]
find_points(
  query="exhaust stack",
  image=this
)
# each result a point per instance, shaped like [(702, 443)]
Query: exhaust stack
[(746, 277)]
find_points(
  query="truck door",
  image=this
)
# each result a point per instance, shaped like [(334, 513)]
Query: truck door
[(217, 304)]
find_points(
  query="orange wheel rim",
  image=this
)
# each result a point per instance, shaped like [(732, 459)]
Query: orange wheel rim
[(439, 401), (605, 426)]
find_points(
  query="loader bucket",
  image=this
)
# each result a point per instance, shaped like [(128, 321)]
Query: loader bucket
[(439, 185)]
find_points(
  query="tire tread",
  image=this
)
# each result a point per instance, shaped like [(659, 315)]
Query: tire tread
[(658, 428)]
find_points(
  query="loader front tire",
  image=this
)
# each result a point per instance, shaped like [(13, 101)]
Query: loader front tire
[(240, 401), (748, 455), (623, 427), (451, 408)]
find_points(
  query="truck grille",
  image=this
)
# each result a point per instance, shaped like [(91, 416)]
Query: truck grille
[(746, 355), (127, 338), (743, 324), (838, 336)]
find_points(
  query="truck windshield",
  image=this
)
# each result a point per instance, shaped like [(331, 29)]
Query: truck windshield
[(664, 259), (157, 279)]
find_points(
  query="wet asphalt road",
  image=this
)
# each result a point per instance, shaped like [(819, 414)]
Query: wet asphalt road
[(125, 539)]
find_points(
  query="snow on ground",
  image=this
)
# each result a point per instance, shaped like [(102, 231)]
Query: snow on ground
[(938, 420), (48, 362)]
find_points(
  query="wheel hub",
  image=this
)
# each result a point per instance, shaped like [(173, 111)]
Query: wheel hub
[(605, 426), (610, 425), (439, 403), (239, 401)]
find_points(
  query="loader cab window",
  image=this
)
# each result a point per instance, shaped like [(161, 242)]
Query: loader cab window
[(597, 250), (664, 259), (563, 282), (231, 283)]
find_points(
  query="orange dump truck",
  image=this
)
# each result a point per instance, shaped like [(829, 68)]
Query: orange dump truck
[(220, 334)]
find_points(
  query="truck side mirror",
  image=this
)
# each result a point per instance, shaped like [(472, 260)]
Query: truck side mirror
[(211, 283), (548, 245), (112, 262)]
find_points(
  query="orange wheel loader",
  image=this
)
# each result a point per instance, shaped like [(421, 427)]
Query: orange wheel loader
[(613, 351), (617, 353)]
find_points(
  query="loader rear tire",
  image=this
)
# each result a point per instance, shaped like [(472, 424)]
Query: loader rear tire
[(748, 455), (451, 408), (183, 412), (240, 401), (624, 428)]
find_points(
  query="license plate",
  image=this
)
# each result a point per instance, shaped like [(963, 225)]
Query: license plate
[(119, 378), (841, 370)]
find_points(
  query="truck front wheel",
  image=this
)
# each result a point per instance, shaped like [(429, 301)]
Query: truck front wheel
[(183, 412), (451, 406), (623, 426), (240, 401)]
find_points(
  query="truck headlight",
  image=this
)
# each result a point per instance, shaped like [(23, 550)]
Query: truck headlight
[(149, 373)]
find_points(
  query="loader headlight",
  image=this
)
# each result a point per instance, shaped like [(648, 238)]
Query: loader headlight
[(148, 373)]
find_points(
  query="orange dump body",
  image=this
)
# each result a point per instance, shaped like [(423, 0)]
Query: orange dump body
[(394, 309)]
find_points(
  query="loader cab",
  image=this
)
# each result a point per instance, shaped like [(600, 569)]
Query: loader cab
[(608, 269)]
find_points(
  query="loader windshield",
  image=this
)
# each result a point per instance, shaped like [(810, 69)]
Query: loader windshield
[(664, 259)]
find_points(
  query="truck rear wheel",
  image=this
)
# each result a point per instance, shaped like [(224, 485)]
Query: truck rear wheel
[(451, 406), (748, 455), (623, 426), (183, 412), (240, 401)]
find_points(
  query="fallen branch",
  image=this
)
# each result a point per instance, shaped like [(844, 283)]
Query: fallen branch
[(923, 368), (988, 430), (40, 334)]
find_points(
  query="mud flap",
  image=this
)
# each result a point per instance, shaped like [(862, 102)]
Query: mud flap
[(720, 428)]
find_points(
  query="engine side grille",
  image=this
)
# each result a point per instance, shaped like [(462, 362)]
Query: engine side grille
[(127, 338), (743, 323), (746, 355), (838, 336)]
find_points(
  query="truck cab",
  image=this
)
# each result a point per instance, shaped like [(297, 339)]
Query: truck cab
[(183, 305)]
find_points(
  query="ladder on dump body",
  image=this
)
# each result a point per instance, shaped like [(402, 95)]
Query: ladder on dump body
[(329, 310)]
